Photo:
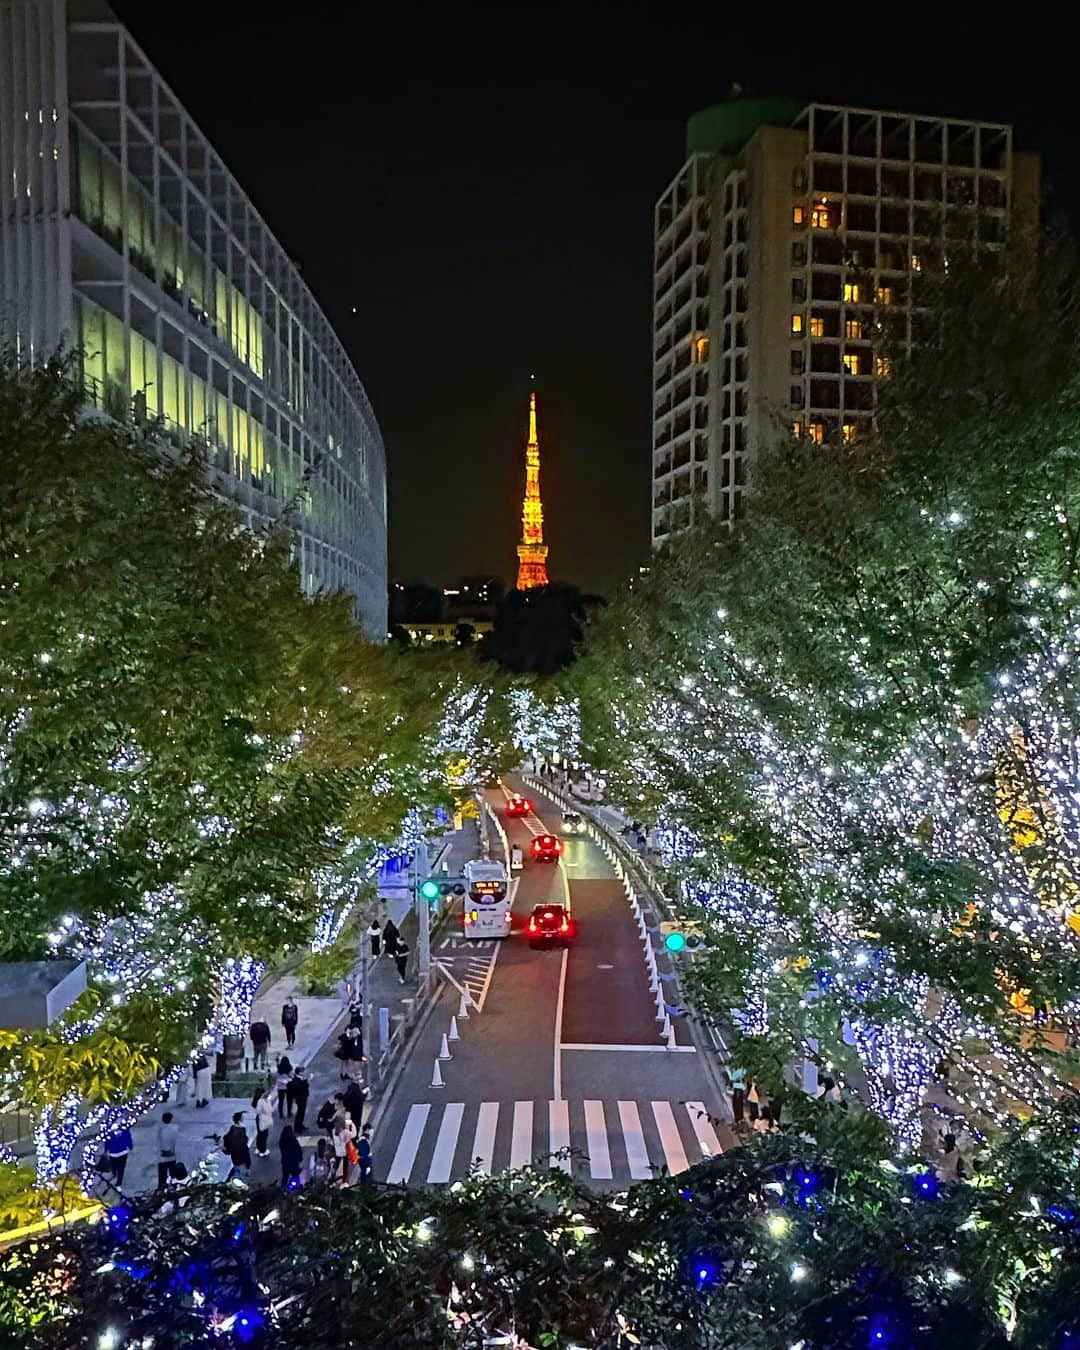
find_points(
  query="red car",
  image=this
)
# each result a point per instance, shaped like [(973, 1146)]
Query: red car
[(518, 806), (546, 848), (550, 923)]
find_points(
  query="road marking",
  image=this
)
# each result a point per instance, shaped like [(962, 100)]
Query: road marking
[(559, 1131), (706, 1135), (558, 1025), (487, 978), (442, 1160), (669, 1137), (521, 1145), (483, 1149), (605, 967), (409, 1143), (636, 1155), (597, 1144), (651, 1049)]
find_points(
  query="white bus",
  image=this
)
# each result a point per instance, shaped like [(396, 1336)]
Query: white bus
[(487, 904)]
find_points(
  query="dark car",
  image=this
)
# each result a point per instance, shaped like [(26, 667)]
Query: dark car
[(546, 848), (550, 924), (518, 806)]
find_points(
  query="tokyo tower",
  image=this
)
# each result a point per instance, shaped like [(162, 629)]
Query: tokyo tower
[(532, 551)]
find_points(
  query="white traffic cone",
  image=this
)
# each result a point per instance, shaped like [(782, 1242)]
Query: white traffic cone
[(453, 1036), (463, 1009), (445, 1053), (661, 1015), (672, 1043), (436, 1076)]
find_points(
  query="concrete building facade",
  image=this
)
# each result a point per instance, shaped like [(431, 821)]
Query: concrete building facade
[(785, 250), (123, 235)]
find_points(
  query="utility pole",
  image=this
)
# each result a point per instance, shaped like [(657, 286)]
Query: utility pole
[(423, 910)]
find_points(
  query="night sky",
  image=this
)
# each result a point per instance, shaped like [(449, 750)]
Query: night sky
[(482, 191)]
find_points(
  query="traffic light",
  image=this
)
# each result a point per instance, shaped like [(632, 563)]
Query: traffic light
[(435, 887), (682, 936)]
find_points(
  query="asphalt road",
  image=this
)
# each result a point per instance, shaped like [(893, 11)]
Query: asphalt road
[(566, 1053)]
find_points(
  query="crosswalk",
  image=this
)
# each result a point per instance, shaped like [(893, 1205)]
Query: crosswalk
[(595, 1140)]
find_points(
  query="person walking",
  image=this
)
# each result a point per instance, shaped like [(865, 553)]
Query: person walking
[(167, 1135), (737, 1079), (401, 960), (391, 935), (290, 1015), (354, 1052), (343, 1132), (184, 1086), (318, 1168), (329, 1109), (363, 1149), (264, 1120), (260, 1043), (352, 1102), (117, 1148), (204, 1090), (296, 1095), (284, 1078), (292, 1157), (235, 1147)]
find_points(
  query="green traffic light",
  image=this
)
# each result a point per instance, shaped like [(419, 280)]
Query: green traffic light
[(430, 890), (675, 942)]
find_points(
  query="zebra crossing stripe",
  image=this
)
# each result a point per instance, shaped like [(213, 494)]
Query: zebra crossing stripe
[(442, 1160), (670, 1141), (596, 1135), (483, 1149), (521, 1145), (706, 1135), (559, 1130), (636, 1155), (409, 1143)]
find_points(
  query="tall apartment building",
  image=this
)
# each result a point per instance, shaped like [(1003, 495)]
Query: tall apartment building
[(123, 234), (784, 254)]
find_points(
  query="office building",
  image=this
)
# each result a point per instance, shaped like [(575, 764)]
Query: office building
[(123, 234), (785, 250)]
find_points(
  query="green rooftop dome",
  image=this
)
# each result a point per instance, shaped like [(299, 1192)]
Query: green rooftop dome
[(724, 128)]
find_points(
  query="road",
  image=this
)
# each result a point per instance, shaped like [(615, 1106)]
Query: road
[(566, 1052)]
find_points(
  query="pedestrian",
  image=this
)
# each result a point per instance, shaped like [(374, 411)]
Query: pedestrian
[(183, 1085), (352, 1102), (235, 1147), (264, 1120), (284, 1078), (117, 1147), (951, 1166), (292, 1157), (374, 934), (343, 1131), (200, 1066), (363, 1149), (297, 1094), (260, 1043), (390, 937), (356, 1014), (354, 1052), (401, 960), (318, 1168), (329, 1109), (290, 1015), (753, 1103), (167, 1135)]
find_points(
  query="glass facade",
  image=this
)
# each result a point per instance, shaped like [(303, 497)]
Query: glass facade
[(188, 313)]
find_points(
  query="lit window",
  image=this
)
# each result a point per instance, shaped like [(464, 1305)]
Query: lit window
[(817, 326), (797, 323), (797, 430), (820, 217), (883, 367), (817, 432), (852, 292), (916, 263), (850, 432), (851, 362), (884, 295), (853, 328), (701, 349), (798, 215)]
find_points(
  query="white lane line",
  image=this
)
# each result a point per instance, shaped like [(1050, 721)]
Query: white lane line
[(597, 1144), (652, 1049), (558, 1025), (636, 1155), (408, 1144), (483, 1148), (442, 1160), (521, 1144), (559, 1131), (706, 1135), (670, 1139), (487, 978)]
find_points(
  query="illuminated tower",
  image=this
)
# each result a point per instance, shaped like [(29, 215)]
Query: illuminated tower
[(532, 551)]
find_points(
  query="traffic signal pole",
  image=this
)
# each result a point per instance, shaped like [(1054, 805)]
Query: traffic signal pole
[(423, 911)]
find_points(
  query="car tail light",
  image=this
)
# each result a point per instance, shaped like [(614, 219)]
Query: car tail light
[(532, 925), (565, 925)]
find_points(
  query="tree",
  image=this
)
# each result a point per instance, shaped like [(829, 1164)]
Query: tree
[(538, 631)]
